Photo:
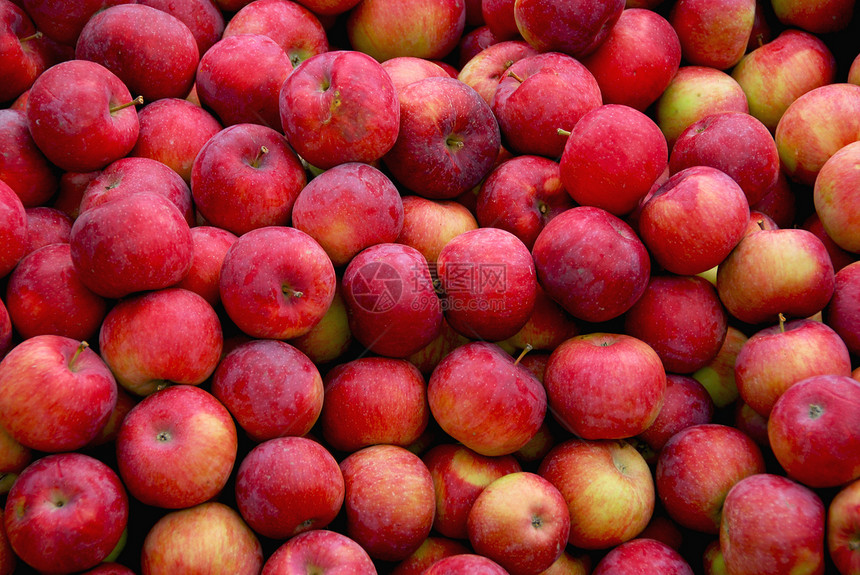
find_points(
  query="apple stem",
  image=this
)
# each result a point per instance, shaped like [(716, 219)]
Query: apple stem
[(34, 36), (854, 544), (563, 132), (287, 290), (781, 323), (523, 353), (515, 77), (759, 38), (78, 352), (138, 100), (260, 153)]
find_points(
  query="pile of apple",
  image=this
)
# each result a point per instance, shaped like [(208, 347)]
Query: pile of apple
[(430, 286)]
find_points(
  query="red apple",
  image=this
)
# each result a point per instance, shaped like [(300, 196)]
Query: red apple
[(685, 403), (432, 550), (331, 337), (592, 263), (448, 139), (499, 17), (632, 155), (288, 485), (72, 186), (14, 457), (208, 538), (465, 563), (66, 513), (210, 246), (388, 523), (60, 383), (297, 30), (604, 385), (5, 330), (479, 396), (713, 34), (818, 17), (548, 327), (386, 31), (521, 522), (26, 170), (64, 23), (696, 469), (276, 282), (718, 376), (46, 226), (838, 256), (373, 400), (176, 448), (608, 488), (836, 200), (151, 51), (814, 430), (770, 272), (637, 60), (82, 116), (428, 357), (430, 224), (339, 107), (328, 551), (843, 524), (484, 70), (45, 296), (202, 17), (842, 313), (25, 53), (537, 96), (391, 301), (776, 357), (172, 131), (246, 177), (772, 525), (459, 476), (779, 203), (239, 78), (13, 229), (575, 27), (404, 70), (472, 43), (638, 555)]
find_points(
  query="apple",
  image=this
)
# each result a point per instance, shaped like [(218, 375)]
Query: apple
[(172, 131), (271, 388), (210, 537), (479, 396), (520, 521), (686, 402), (383, 31), (276, 282), (328, 7), (814, 431), (538, 95), (465, 563), (735, 143), (693, 93), (574, 27), (777, 357), (59, 382), (605, 385), (819, 17), (14, 457), (390, 524), (246, 177), (776, 73), (837, 203), (288, 485), (109, 568), (472, 43), (637, 60), (608, 488), (210, 247), (133, 175), (239, 78), (45, 226), (26, 170), (499, 18), (371, 400), (151, 51), (66, 513), (297, 30), (779, 203), (570, 564), (321, 549), (459, 476), (25, 53), (484, 70), (5, 330), (82, 137), (72, 186), (838, 256), (718, 376), (108, 434), (64, 23), (347, 208), (843, 524), (13, 229), (428, 357), (44, 295), (448, 139), (592, 263), (712, 559), (642, 554), (176, 448), (202, 17), (843, 310), (391, 302), (772, 524), (430, 224), (489, 283), (432, 550), (136, 242), (547, 327), (403, 70), (331, 337), (682, 319), (339, 107), (698, 466), (632, 155), (770, 272), (713, 34)]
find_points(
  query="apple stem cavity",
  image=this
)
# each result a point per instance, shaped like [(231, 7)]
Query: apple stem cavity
[(37, 35), (255, 163), (290, 292), (136, 101), (523, 353), (77, 353), (454, 142)]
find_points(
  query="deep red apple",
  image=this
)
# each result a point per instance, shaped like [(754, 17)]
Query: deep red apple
[(202, 17), (430, 224), (483, 71), (686, 402), (641, 554), (210, 246), (326, 550), (843, 310), (575, 27), (843, 525), (25, 169)]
